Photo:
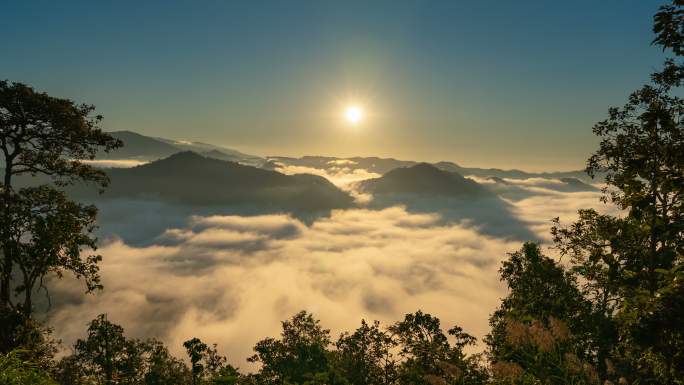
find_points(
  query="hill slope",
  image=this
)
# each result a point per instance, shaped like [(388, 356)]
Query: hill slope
[(146, 148), (424, 179), (190, 178)]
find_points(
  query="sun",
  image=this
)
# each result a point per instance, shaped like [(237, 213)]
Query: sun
[(353, 114)]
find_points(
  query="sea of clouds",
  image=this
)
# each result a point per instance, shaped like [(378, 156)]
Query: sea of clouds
[(230, 279)]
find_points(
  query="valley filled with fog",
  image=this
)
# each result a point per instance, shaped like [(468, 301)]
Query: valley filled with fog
[(200, 242)]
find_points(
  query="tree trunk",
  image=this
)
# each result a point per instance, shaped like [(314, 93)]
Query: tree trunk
[(6, 273)]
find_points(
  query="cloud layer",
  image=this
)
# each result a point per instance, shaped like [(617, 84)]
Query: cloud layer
[(231, 279), (340, 172)]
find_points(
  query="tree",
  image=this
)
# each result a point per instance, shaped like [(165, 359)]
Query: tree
[(539, 289), (15, 370), (544, 331), (300, 354), (543, 353), (631, 266), (631, 263), (49, 232), (669, 29), (161, 367), (29, 336), (227, 375), (429, 357), (366, 356), (44, 135), (196, 351), (107, 355), (205, 362)]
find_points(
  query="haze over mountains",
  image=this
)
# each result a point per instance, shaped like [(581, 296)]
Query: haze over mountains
[(424, 179), (174, 180), (383, 165), (223, 176), (146, 148), (375, 234), (190, 178)]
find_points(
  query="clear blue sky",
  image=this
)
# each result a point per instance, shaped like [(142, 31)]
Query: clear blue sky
[(489, 83)]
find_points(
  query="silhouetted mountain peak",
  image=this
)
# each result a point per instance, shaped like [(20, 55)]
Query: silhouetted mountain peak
[(424, 179), (191, 178), (420, 169), (184, 156), (141, 147)]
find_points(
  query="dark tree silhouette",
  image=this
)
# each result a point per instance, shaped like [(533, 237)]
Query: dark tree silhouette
[(632, 266), (43, 135), (427, 355), (298, 356), (366, 356)]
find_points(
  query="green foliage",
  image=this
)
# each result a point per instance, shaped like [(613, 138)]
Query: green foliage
[(298, 356), (196, 350), (627, 264), (539, 289), (41, 134), (41, 231), (161, 367), (227, 375), (427, 355), (630, 266), (106, 353), (106, 356), (542, 352), (205, 362), (413, 351), (48, 234), (366, 356), (16, 370)]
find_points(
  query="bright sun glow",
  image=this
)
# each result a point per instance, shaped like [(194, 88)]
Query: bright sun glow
[(353, 114)]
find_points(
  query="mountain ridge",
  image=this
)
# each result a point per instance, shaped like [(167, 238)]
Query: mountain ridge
[(384, 165), (147, 148), (191, 178), (424, 179)]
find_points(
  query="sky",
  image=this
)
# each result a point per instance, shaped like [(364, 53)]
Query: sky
[(508, 84)]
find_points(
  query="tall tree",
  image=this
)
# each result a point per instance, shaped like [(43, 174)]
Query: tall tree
[(105, 351), (41, 231), (629, 264), (632, 266), (196, 350), (49, 232)]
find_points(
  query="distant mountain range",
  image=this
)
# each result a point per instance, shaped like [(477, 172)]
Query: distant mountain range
[(371, 164), (146, 148), (383, 165), (193, 179), (187, 183), (580, 175)]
